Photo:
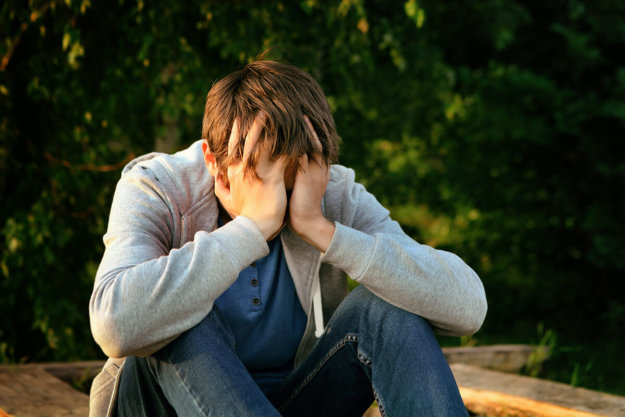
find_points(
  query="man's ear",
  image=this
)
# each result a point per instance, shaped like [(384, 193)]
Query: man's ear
[(209, 159)]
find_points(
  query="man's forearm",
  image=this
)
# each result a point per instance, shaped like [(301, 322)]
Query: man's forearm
[(133, 307), (318, 233)]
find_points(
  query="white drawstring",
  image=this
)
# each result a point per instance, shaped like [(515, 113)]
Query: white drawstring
[(318, 308)]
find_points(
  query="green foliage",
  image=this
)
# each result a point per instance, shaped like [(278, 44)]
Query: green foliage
[(490, 128), (543, 348)]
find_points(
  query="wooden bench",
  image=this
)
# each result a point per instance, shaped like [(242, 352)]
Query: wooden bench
[(36, 390), (30, 391), (497, 394)]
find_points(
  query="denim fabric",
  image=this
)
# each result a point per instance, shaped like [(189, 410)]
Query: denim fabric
[(370, 349)]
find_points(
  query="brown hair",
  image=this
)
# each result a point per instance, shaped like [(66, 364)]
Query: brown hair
[(285, 93)]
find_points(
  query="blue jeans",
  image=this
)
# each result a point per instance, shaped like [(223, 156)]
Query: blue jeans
[(370, 350)]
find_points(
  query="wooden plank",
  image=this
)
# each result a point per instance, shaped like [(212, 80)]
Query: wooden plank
[(29, 391), (73, 371), (483, 386), (504, 358), (373, 411), (495, 404)]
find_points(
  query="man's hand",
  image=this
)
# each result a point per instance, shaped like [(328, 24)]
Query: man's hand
[(263, 201), (305, 215)]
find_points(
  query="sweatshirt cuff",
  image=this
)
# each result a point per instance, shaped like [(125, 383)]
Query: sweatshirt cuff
[(242, 241), (350, 250)]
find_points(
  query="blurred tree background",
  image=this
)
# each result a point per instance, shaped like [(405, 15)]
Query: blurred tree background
[(490, 128)]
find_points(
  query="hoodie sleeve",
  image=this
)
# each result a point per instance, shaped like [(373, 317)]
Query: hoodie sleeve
[(373, 250), (145, 293)]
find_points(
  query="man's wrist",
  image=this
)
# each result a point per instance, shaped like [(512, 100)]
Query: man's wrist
[(265, 228), (318, 233)]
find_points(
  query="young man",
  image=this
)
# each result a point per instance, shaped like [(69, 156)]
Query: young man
[(223, 283)]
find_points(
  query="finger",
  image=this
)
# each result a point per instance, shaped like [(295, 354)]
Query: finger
[(303, 162), (278, 166), (234, 137), (303, 168), (254, 134), (316, 142), (317, 170)]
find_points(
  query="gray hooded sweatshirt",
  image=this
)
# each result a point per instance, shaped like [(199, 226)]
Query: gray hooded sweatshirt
[(166, 262)]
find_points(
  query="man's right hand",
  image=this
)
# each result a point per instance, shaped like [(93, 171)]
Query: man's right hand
[(263, 200)]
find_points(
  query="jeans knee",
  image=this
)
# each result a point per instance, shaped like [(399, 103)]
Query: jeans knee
[(382, 316)]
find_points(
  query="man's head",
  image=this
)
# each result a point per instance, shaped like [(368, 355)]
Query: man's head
[(285, 94)]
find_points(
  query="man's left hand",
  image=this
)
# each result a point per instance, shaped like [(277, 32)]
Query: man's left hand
[(305, 216)]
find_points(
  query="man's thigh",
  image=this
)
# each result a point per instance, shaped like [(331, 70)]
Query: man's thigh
[(197, 374), (372, 350)]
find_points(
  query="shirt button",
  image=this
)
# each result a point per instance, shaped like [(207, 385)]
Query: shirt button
[(254, 282), (256, 301)]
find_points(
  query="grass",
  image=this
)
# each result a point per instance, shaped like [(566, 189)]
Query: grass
[(595, 364)]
